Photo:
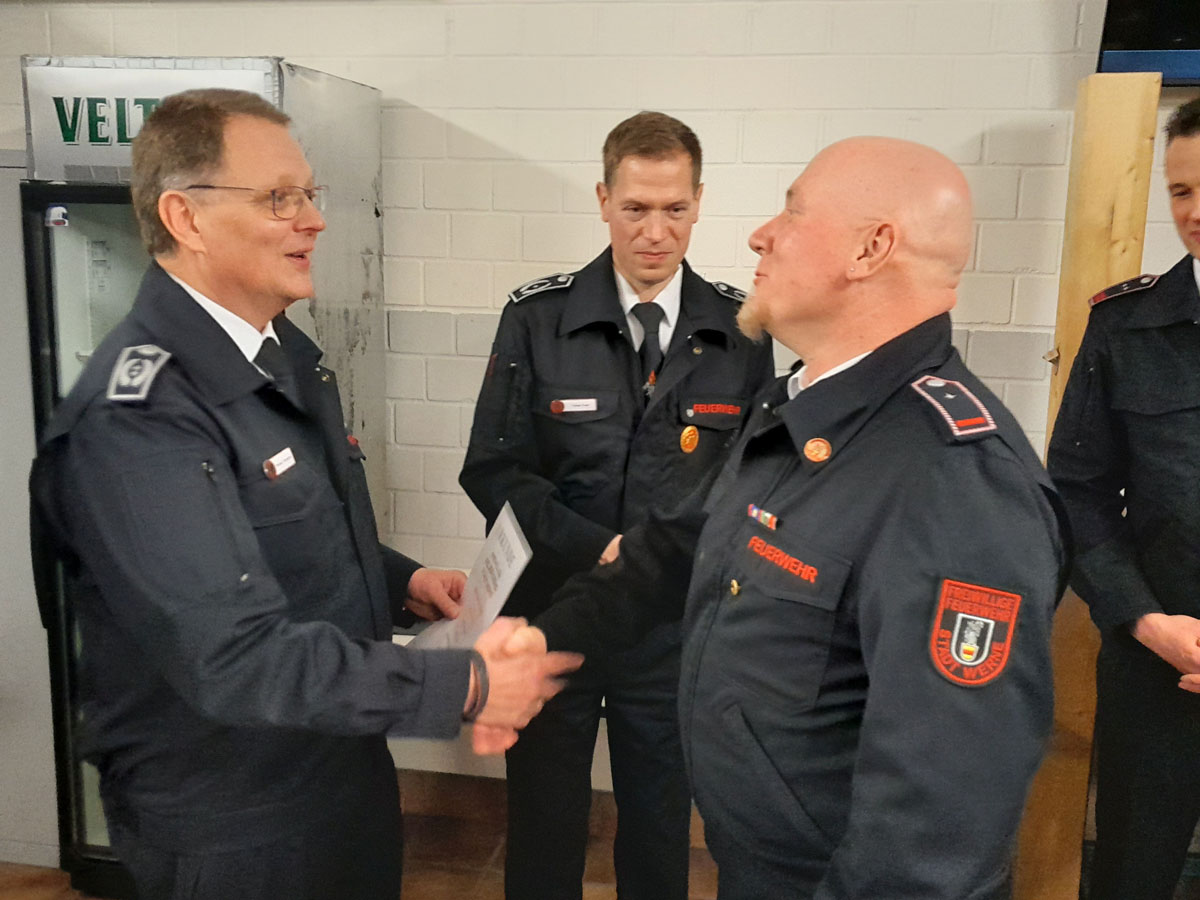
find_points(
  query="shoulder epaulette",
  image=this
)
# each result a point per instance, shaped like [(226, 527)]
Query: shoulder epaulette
[(549, 283), (1125, 287), (963, 412), (135, 371), (728, 290)]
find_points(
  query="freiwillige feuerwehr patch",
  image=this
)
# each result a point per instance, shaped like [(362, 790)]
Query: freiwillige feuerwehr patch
[(973, 632), (135, 371), (549, 283), (958, 407)]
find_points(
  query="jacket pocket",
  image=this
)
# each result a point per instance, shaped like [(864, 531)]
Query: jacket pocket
[(769, 818), (781, 620), (290, 497), (294, 516)]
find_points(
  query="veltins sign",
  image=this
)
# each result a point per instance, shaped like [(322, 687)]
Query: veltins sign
[(82, 119)]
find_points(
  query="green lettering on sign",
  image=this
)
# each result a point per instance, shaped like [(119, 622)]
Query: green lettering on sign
[(147, 105), (97, 110), (123, 121), (68, 120)]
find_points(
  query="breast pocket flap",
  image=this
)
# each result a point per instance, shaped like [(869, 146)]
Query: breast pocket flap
[(794, 571), (718, 412)]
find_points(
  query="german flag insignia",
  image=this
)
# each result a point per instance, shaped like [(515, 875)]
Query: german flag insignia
[(973, 632)]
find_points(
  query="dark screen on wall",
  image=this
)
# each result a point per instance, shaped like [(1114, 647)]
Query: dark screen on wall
[(1153, 36)]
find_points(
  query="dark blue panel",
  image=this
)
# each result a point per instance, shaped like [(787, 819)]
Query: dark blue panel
[(1178, 67)]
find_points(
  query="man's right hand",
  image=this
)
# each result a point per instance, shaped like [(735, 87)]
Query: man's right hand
[(522, 676), (1176, 639)]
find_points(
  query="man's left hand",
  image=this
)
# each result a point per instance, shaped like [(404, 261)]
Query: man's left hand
[(436, 593)]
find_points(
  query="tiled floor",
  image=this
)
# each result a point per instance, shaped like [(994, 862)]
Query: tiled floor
[(453, 847)]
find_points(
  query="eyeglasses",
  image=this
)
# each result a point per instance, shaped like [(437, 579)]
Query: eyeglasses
[(286, 202)]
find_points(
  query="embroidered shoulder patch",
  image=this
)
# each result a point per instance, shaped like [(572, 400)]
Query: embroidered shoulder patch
[(549, 283), (957, 406), (135, 371), (973, 632), (1125, 287), (729, 291)]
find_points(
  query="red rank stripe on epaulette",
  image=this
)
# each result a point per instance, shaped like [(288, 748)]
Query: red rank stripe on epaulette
[(1125, 287), (959, 408)]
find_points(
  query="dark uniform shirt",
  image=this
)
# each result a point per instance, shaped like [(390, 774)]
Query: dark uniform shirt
[(1130, 421), (866, 684), (563, 433), (237, 674)]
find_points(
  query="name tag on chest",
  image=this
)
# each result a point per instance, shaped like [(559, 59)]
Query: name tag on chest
[(578, 404)]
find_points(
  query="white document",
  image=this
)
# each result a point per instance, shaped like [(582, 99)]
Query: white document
[(499, 564)]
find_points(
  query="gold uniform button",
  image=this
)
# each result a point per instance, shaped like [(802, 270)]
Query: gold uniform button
[(689, 438), (817, 450), (734, 587)]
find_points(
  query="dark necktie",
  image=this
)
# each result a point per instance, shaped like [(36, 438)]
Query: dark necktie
[(651, 316), (270, 359)]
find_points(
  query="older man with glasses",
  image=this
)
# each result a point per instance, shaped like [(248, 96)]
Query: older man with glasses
[(234, 604)]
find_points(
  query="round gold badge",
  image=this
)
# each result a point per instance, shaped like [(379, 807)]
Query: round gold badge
[(689, 438), (817, 450)]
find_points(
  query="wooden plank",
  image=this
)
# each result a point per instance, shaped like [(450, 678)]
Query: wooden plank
[(1108, 188)]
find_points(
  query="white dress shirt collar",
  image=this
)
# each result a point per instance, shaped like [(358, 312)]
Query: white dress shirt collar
[(795, 382), (248, 338), (668, 298)]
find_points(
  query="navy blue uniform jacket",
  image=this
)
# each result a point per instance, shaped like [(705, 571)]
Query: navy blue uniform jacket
[(578, 477), (237, 674), (1130, 422), (866, 685)]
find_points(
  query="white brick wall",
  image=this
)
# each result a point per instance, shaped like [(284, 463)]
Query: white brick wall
[(494, 116)]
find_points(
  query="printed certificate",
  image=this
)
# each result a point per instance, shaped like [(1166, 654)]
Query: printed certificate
[(499, 564)]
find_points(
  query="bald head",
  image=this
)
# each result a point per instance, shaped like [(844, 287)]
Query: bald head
[(918, 191), (872, 241)]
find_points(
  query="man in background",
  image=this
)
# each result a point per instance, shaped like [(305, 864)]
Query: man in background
[(1126, 456), (610, 390), (866, 686), (234, 605)]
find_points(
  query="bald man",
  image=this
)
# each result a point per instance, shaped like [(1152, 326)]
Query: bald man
[(866, 682)]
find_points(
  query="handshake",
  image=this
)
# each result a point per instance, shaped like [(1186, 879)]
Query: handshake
[(521, 676)]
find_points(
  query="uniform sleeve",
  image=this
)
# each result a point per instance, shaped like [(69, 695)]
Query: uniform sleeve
[(398, 569), (610, 608), (502, 462), (157, 521), (943, 768), (1088, 462)]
